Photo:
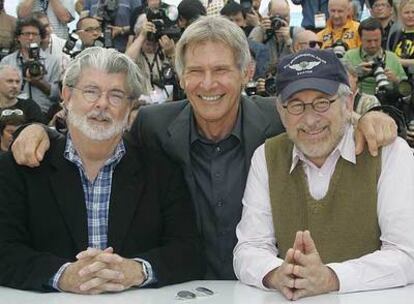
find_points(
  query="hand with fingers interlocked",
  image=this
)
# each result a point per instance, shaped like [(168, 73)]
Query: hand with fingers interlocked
[(98, 271), (302, 273)]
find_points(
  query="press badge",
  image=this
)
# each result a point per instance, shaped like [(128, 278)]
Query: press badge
[(320, 20)]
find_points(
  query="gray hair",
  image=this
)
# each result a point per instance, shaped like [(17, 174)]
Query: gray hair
[(4, 66), (215, 29), (343, 91), (108, 60)]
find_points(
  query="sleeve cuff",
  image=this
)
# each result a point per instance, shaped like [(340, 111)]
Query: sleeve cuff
[(54, 281)]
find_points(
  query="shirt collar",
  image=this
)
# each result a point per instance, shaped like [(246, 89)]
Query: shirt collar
[(72, 155), (366, 56), (195, 134), (345, 149)]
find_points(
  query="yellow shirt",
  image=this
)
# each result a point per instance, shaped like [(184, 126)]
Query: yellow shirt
[(348, 34)]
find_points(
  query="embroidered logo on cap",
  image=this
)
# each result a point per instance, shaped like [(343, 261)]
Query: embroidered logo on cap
[(304, 63)]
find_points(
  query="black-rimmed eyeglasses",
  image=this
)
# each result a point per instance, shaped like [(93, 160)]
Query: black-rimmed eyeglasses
[(320, 105), (92, 94)]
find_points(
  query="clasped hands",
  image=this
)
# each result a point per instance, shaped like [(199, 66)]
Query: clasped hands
[(302, 273), (97, 271)]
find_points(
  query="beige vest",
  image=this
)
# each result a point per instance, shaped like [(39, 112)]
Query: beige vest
[(344, 223)]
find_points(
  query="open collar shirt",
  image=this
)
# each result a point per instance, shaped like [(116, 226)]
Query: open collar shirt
[(391, 266)]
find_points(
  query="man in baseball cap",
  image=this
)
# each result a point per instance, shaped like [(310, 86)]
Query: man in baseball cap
[(316, 218)]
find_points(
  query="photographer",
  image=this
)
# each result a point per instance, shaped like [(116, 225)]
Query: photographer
[(376, 67), (115, 16), (340, 26), (59, 12), (152, 57), (88, 30), (39, 70), (275, 32)]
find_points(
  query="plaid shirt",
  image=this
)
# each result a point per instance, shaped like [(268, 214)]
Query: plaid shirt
[(97, 193), (97, 196)]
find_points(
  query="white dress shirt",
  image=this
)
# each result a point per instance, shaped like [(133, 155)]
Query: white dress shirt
[(393, 265)]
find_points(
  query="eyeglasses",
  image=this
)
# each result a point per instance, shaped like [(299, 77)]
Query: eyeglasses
[(199, 291), (28, 34), (312, 44), (320, 105), (115, 97), (93, 29), (10, 112)]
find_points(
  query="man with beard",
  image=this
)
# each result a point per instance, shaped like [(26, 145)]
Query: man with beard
[(98, 215), (308, 181)]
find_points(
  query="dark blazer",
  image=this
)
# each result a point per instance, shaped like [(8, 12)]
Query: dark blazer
[(43, 221), (166, 128)]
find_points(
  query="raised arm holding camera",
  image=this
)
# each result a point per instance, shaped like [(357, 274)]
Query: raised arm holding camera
[(40, 71)]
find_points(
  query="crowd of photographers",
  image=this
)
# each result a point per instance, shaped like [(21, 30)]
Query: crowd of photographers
[(378, 52)]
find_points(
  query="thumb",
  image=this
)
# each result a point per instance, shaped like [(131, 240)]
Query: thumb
[(42, 148)]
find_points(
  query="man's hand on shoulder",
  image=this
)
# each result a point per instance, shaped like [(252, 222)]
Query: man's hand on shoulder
[(375, 128), (30, 145)]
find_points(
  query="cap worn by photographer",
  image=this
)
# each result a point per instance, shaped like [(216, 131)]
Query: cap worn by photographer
[(191, 9), (310, 69)]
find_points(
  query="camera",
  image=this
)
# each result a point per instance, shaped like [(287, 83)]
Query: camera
[(382, 83), (107, 10), (164, 23), (251, 88), (339, 47), (73, 46), (276, 22), (33, 66)]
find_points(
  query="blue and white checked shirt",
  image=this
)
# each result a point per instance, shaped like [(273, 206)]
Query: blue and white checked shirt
[(97, 197)]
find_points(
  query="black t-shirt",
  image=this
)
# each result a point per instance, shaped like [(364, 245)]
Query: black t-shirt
[(403, 45), (31, 110)]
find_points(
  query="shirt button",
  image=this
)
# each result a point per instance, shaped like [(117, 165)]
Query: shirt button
[(220, 204), (218, 149), (217, 174)]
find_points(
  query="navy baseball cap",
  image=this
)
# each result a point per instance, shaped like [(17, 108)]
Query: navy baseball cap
[(310, 69)]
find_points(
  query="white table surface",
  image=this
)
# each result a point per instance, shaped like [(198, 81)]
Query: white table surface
[(226, 292)]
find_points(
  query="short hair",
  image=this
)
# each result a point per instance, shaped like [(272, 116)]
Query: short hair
[(108, 60), (215, 29), (404, 3), (191, 9), (372, 2), (21, 23), (370, 24), (343, 91), (13, 119), (4, 66), (232, 8), (79, 23), (269, 5)]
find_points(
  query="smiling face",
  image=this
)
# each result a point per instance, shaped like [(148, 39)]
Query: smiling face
[(99, 120), (213, 83), (338, 12), (316, 134), (407, 15)]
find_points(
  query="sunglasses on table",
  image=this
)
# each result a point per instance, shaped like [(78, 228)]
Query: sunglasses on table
[(198, 292)]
